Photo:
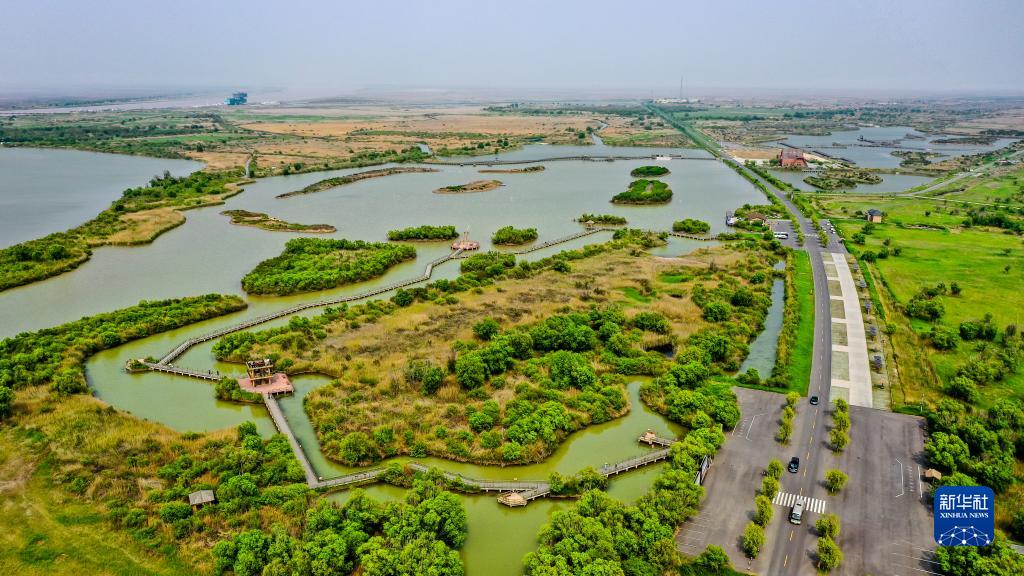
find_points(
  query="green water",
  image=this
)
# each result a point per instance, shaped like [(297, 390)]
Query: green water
[(209, 255)]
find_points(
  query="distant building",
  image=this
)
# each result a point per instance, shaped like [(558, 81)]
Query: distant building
[(237, 99), (873, 215), (792, 158), (756, 218)]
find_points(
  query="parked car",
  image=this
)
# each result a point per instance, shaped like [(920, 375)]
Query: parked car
[(794, 464)]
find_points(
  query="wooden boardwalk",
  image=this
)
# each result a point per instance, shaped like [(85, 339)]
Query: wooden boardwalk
[(187, 344), (525, 490), (691, 236), (562, 159)]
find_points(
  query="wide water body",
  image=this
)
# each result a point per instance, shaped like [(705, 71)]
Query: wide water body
[(207, 254)]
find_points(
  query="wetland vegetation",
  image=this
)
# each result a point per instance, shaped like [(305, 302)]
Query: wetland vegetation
[(842, 178), (691, 226), (471, 187), (606, 219), (509, 236), (644, 192), (649, 171), (309, 264), (328, 183), (424, 232), (265, 222)]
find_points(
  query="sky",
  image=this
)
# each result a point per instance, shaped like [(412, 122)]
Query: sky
[(898, 47)]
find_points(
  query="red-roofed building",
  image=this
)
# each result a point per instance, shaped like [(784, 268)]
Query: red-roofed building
[(792, 158)]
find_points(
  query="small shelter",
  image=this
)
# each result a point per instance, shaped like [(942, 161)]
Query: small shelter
[(932, 475), (465, 243), (201, 498), (512, 499), (262, 379), (873, 215)]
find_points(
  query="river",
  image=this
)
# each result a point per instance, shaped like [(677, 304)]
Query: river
[(207, 254)]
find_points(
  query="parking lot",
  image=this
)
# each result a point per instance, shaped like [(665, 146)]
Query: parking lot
[(886, 517), (735, 477)]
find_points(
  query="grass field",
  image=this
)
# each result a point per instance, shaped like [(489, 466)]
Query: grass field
[(935, 249), (800, 368)]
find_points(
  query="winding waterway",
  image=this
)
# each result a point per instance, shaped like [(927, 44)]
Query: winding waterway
[(209, 255)]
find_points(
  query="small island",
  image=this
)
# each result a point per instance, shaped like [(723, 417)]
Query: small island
[(424, 233), (309, 264), (474, 186), (509, 236), (691, 226), (644, 192), (601, 219), (840, 178), (527, 170), (349, 179), (265, 222), (649, 171), (915, 158)]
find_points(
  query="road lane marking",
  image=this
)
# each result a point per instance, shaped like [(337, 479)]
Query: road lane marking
[(788, 499), (791, 532), (902, 491), (785, 561)]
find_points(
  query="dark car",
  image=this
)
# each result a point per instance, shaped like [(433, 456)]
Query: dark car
[(794, 464), (814, 400)]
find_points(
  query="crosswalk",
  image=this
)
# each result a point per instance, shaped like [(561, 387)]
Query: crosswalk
[(785, 499)]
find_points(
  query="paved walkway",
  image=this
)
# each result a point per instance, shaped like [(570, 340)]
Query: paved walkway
[(851, 374)]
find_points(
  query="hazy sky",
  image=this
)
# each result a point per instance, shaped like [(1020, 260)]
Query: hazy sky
[(888, 45)]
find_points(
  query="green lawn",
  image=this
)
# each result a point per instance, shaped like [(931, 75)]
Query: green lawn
[(974, 258), (803, 351)]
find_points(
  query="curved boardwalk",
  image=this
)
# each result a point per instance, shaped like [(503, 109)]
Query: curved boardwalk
[(691, 236), (184, 346)]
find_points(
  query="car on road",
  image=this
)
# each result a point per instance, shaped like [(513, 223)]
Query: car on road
[(797, 513), (814, 400), (794, 464)]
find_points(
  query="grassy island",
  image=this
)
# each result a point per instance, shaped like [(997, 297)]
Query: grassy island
[(264, 222), (691, 226), (500, 365), (644, 192), (475, 186), (914, 158), (601, 219), (841, 178), (309, 264), (329, 183), (649, 171), (138, 217), (510, 236), (527, 170), (424, 233)]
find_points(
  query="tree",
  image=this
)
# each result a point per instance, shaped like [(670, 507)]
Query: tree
[(713, 560), (571, 370), (829, 555), (828, 526), (963, 388), (470, 370), (835, 480), (769, 487), (486, 329), (717, 311), (763, 513), (6, 402), (838, 439), (753, 540), (775, 469), (946, 451)]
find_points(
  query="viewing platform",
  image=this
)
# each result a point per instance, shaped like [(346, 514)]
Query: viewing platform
[(465, 243), (262, 379)]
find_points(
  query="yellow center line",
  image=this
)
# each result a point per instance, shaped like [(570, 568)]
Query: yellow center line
[(785, 561), (791, 532), (802, 490), (808, 457), (805, 472)]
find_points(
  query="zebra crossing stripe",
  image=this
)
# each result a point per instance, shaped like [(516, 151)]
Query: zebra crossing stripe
[(787, 500)]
